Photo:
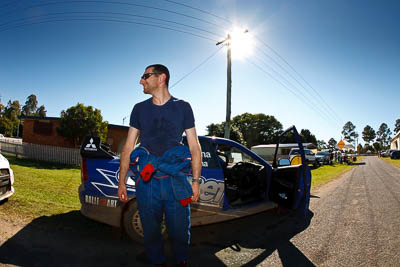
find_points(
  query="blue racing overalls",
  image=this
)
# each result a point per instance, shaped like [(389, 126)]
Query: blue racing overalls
[(167, 183)]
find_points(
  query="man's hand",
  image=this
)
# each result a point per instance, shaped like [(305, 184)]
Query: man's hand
[(123, 196), (196, 191)]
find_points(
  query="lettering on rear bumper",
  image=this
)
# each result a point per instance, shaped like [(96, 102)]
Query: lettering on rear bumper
[(101, 201)]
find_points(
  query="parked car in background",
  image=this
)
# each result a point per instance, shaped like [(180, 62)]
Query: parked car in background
[(395, 154), (323, 157), (387, 153), (310, 156), (6, 179)]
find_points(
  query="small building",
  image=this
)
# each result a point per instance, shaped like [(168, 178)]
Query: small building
[(267, 151), (395, 142), (42, 131)]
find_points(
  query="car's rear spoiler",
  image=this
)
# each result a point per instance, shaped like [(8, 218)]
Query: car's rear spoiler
[(92, 147)]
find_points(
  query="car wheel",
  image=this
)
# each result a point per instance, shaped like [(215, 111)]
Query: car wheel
[(133, 225)]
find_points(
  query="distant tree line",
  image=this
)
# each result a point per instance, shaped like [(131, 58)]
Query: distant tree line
[(374, 140), (254, 129)]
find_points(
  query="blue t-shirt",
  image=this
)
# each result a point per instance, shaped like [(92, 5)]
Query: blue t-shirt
[(161, 127)]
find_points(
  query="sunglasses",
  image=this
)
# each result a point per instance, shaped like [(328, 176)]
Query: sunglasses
[(147, 75)]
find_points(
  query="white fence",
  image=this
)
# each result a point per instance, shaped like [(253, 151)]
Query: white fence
[(42, 152)]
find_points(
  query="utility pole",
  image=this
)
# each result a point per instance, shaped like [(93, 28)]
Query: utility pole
[(228, 85), (228, 88)]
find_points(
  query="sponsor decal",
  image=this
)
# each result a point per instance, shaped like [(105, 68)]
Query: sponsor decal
[(211, 191), (206, 155), (90, 146), (101, 201)]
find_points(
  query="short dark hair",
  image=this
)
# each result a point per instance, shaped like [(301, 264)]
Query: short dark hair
[(158, 68)]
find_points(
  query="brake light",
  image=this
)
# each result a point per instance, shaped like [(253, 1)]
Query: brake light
[(84, 171)]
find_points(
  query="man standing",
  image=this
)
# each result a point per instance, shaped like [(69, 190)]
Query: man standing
[(160, 122)]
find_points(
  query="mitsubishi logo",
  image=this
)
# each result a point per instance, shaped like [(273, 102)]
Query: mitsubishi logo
[(90, 146)]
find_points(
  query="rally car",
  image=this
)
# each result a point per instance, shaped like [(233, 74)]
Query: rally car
[(235, 182)]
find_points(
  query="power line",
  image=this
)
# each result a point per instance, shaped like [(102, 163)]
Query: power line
[(111, 13), (323, 108), (201, 10), (291, 67), (109, 2), (198, 66), (300, 97), (108, 20)]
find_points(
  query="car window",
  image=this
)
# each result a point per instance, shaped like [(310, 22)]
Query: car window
[(295, 152), (234, 155), (308, 152)]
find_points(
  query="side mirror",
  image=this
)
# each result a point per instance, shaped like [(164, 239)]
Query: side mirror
[(283, 162)]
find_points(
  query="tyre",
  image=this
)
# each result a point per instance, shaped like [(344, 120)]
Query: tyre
[(132, 224)]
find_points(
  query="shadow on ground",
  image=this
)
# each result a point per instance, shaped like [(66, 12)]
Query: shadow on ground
[(72, 240)]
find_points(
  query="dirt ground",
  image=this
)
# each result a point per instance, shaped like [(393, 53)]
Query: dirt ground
[(71, 239)]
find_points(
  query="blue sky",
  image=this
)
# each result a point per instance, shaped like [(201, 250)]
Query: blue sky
[(317, 63)]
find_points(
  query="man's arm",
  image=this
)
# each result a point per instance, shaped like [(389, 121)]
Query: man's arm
[(195, 150), (127, 149)]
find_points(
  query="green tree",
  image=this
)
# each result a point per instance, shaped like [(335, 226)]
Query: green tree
[(250, 129), (397, 126), (1, 108), (79, 121), (348, 132), (30, 106), (218, 131), (368, 147), (257, 128), (332, 143), (41, 111), (383, 135), (6, 126), (368, 134), (321, 144), (360, 148), (308, 137), (12, 111), (377, 146)]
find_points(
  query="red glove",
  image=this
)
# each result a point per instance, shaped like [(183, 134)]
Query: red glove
[(147, 172), (185, 201)]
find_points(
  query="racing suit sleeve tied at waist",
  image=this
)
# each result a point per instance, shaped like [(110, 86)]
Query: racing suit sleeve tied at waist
[(174, 163)]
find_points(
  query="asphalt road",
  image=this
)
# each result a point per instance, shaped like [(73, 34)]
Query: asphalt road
[(356, 221), (353, 221)]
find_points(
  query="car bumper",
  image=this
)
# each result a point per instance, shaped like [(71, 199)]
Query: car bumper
[(101, 209), (6, 182)]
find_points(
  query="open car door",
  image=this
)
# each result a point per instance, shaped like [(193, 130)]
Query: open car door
[(291, 181)]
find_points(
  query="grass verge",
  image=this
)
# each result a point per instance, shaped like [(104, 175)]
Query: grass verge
[(394, 162), (42, 189), (326, 173)]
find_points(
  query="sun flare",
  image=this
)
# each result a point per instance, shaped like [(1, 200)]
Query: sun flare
[(241, 43)]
